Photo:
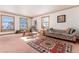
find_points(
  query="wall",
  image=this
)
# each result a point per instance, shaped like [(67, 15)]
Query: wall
[(72, 19), (17, 19)]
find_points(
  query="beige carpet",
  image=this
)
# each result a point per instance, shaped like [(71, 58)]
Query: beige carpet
[(14, 43)]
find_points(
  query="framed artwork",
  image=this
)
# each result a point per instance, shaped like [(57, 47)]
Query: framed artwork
[(61, 18)]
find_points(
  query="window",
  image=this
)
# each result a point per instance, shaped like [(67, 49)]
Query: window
[(45, 22), (23, 23), (7, 23)]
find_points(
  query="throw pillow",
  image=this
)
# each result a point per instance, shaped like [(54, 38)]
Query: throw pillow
[(68, 30), (72, 30), (51, 29)]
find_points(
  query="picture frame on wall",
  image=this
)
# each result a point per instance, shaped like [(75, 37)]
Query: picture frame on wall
[(61, 18)]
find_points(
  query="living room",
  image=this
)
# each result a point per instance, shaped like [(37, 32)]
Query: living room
[(40, 29)]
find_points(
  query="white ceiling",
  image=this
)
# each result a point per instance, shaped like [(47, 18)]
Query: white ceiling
[(32, 10)]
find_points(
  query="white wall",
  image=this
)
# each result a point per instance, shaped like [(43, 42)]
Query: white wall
[(72, 19), (29, 22)]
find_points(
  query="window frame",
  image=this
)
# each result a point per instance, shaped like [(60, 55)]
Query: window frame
[(13, 23), (20, 23), (48, 21)]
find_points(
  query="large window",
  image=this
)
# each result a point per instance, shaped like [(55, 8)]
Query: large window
[(23, 23), (7, 23), (45, 22)]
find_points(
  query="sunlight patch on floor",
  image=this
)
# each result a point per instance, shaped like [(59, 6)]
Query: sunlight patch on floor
[(27, 39)]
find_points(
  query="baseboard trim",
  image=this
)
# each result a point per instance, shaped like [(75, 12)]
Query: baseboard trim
[(6, 34)]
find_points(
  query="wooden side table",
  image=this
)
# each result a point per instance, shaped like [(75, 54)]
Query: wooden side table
[(40, 32)]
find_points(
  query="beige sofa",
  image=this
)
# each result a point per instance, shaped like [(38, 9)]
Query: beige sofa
[(68, 34)]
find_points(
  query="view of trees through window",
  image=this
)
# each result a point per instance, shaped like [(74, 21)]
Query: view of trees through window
[(7, 23), (23, 23)]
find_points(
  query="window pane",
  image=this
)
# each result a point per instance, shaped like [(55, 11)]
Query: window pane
[(45, 22), (7, 23), (23, 23), (46, 19)]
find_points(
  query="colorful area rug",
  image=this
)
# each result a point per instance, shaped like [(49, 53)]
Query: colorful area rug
[(47, 45)]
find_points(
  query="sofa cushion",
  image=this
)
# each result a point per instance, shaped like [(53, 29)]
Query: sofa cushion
[(70, 30), (58, 31)]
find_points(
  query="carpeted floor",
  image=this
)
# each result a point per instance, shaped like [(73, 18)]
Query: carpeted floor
[(14, 44)]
